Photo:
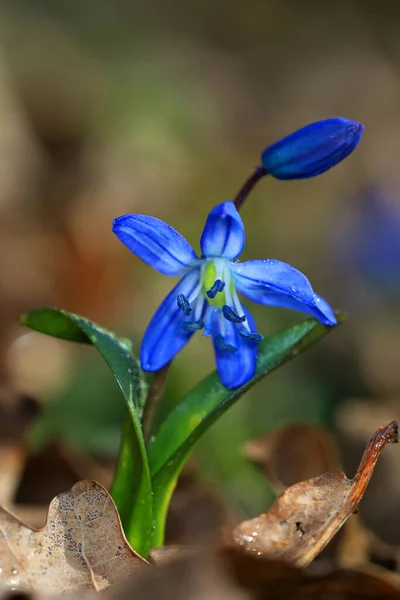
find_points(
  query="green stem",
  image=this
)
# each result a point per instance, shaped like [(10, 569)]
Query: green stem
[(130, 478), (162, 498)]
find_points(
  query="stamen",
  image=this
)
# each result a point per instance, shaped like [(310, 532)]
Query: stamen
[(208, 321), (257, 337), (190, 326), (231, 316), (220, 344), (217, 287), (198, 307), (183, 304)]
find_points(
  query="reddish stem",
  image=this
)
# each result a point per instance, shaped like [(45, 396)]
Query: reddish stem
[(245, 190)]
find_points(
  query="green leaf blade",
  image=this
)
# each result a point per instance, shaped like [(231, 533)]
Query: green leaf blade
[(56, 323), (132, 488)]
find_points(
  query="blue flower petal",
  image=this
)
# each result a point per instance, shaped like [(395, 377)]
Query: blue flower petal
[(165, 336), (235, 355), (223, 235), (275, 283), (313, 149), (156, 243)]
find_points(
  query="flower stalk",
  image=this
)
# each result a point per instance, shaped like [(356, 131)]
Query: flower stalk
[(248, 186)]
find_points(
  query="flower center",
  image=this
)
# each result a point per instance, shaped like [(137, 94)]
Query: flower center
[(213, 302), (215, 279)]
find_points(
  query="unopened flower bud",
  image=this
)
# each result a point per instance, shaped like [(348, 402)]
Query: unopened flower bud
[(313, 149)]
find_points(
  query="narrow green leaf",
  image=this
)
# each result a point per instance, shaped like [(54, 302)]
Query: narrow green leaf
[(132, 490), (182, 428), (55, 323)]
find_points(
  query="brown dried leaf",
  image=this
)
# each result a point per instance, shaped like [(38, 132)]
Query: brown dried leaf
[(12, 457), (66, 467), (353, 423), (307, 515), (16, 414), (275, 579), (300, 451), (230, 574), (81, 547), (297, 452), (293, 453)]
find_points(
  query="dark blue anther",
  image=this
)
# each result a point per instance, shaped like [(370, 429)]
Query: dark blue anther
[(257, 337), (190, 326), (217, 287), (221, 345), (183, 304), (231, 316)]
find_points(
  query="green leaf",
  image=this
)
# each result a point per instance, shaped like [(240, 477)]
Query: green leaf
[(132, 489), (182, 428), (57, 323)]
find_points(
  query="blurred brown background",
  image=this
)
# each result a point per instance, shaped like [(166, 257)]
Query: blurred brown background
[(163, 108)]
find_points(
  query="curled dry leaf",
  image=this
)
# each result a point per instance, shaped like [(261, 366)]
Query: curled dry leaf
[(82, 546), (299, 451), (307, 515), (353, 422)]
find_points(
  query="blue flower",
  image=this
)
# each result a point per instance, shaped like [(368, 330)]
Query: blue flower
[(313, 149), (206, 296)]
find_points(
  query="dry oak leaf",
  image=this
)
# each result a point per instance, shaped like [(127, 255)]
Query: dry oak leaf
[(308, 514), (81, 547)]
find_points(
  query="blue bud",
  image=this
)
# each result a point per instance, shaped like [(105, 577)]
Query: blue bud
[(313, 149)]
